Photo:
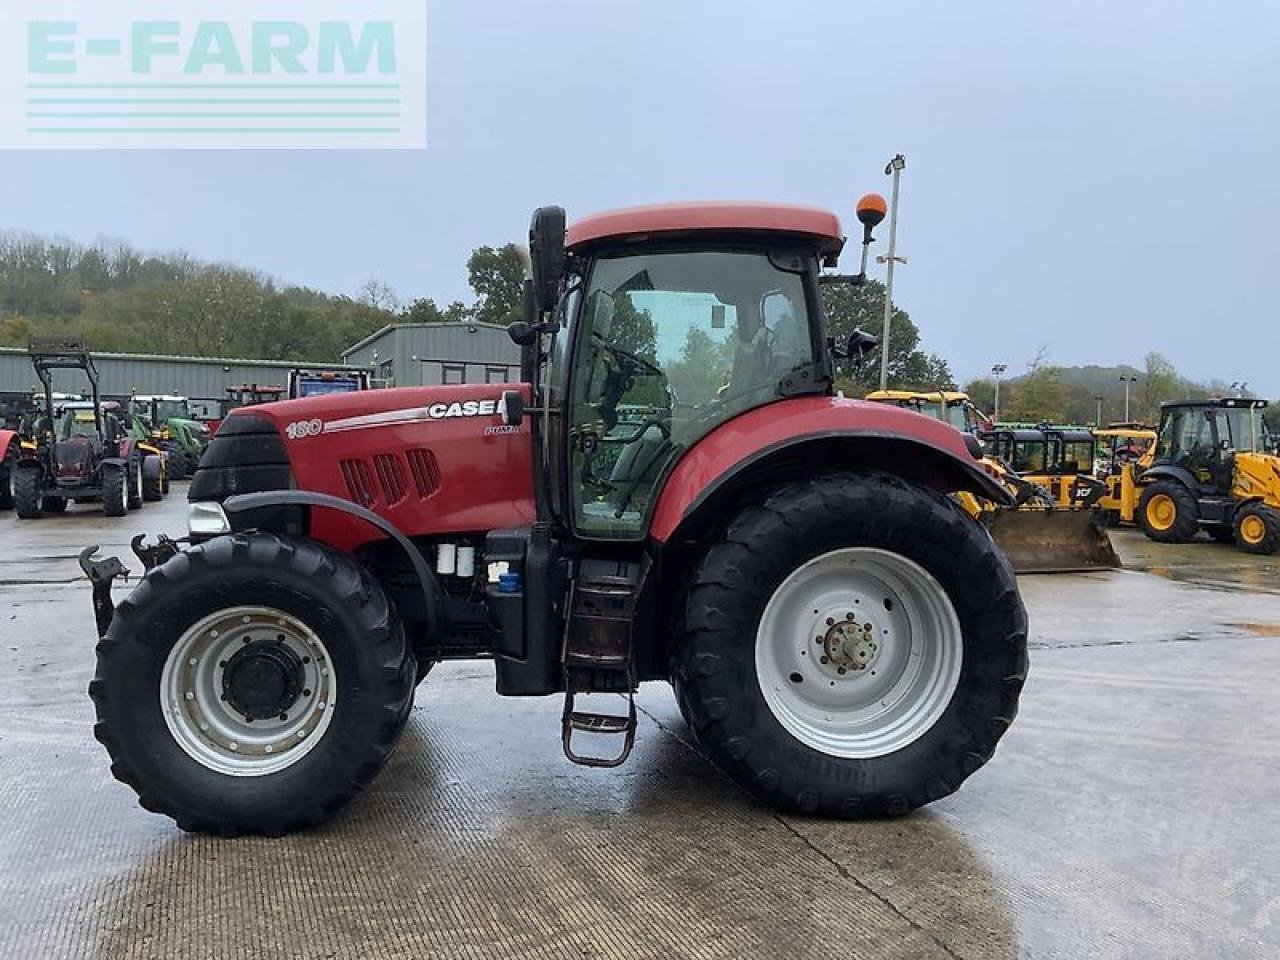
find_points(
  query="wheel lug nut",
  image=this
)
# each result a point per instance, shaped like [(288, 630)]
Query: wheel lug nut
[(841, 671), (830, 622), (825, 660)]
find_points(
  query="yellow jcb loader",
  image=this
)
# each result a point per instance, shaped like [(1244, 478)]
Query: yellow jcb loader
[(1216, 468)]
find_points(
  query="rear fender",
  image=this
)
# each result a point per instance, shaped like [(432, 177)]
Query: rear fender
[(9, 443), (796, 437), (1170, 472)]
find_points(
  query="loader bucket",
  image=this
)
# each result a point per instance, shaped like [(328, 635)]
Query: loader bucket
[(1064, 541)]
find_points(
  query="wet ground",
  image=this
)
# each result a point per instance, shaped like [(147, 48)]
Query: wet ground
[(1130, 811)]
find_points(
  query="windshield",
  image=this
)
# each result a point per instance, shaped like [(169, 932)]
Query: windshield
[(171, 410), (316, 386), (674, 345), (1028, 456), (1243, 429), (77, 423)]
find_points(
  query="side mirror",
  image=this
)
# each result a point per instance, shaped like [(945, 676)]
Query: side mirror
[(522, 333), (547, 255), (511, 408), (856, 347)]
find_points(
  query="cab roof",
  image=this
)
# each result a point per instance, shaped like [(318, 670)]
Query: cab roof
[(1226, 402), (672, 219), (925, 396)]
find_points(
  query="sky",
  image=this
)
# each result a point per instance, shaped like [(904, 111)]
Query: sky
[(1096, 179)]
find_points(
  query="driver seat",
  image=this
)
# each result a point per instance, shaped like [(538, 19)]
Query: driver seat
[(638, 458)]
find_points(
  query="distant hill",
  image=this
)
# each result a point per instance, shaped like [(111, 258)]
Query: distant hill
[(1070, 394)]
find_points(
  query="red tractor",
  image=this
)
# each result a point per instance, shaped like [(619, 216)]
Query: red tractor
[(81, 451), (675, 492)]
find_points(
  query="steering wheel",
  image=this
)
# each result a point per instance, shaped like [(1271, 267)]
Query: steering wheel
[(626, 355)]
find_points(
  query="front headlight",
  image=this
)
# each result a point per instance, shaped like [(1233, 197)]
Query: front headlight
[(207, 519)]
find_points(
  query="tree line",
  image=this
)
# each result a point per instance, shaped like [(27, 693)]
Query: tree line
[(125, 301)]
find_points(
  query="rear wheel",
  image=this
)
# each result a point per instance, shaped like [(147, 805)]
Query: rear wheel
[(1257, 528), (1168, 512), (252, 685), (134, 478), (854, 646), (26, 492), (115, 480)]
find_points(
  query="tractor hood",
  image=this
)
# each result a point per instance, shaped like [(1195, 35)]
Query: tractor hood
[(369, 409)]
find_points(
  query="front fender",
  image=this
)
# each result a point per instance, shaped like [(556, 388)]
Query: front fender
[(244, 505), (825, 431)]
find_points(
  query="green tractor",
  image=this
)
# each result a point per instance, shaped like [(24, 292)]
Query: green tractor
[(177, 432)]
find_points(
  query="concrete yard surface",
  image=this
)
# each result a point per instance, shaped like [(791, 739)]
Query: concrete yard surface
[(1129, 812)]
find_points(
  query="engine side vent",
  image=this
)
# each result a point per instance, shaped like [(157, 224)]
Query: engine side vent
[(425, 470), (359, 483), (391, 477)]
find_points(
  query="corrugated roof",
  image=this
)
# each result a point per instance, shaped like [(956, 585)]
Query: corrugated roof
[(220, 361), (378, 334)]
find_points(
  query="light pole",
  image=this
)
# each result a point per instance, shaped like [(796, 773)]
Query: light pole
[(894, 167), (996, 370), (1097, 419), (1126, 381)]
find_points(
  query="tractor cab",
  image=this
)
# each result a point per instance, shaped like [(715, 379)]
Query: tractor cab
[(1069, 451), (1022, 449), (1204, 438), (1124, 444), (661, 341)]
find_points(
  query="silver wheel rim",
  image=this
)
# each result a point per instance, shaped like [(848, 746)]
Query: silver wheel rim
[(858, 652), (137, 483), (210, 730)]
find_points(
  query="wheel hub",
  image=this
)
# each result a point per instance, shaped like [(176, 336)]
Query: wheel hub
[(849, 645), (858, 652), (247, 691), (1252, 529), (262, 679)]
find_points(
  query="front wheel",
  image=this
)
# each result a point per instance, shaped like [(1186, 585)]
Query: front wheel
[(252, 684), (115, 490), (8, 471), (1257, 529), (26, 492), (853, 646)]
